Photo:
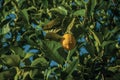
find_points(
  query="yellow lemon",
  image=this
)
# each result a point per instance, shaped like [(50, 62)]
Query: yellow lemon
[(68, 41)]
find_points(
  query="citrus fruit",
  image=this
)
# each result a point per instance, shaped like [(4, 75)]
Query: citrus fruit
[(68, 41)]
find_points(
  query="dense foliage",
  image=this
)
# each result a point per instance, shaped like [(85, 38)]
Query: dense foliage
[(30, 33)]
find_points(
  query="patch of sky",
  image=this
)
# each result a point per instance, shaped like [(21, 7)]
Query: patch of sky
[(3, 40), (5, 67), (115, 18), (83, 51), (1, 2), (112, 59), (12, 23), (109, 12), (100, 19), (53, 74), (22, 64), (33, 50), (65, 65), (5, 44), (73, 3), (31, 58), (53, 63), (26, 47), (37, 27), (11, 16), (81, 18), (34, 25), (18, 37), (44, 33), (8, 35), (118, 39), (0, 5), (28, 50), (23, 29), (98, 26), (97, 12), (82, 39), (86, 0)]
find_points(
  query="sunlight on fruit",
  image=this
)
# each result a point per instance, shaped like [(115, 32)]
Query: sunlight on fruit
[(68, 41)]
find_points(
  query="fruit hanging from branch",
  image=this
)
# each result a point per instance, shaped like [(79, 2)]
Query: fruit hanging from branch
[(68, 41)]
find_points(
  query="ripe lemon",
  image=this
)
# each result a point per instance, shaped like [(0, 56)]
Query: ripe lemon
[(68, 41)]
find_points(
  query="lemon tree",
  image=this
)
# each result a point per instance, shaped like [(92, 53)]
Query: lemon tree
[(33, 45)]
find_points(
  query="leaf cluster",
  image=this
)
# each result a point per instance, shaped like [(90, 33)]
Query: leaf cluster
[(30, 48)]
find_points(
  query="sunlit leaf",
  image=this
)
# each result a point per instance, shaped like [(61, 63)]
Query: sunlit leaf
[(95, 37), (60, 10), (70, 26), (26, 75), (80, 12), (28, 55), (114, 69), (5, 29)]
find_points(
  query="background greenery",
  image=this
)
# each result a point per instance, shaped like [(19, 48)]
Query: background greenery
[(94, 23)]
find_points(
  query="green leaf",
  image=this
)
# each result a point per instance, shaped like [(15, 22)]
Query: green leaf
[(116, 76), (114, 68), (70, 77), (93, 4), (53, 36), (106, 43), (30, 41), (71, 67), (97, 40), (111, 33), (48, 73), (90, 7), (28, 55), (25, 15), (60, 10), (31, 8), (50, 48), (4, 22), (95, 37), (34, 74), (91, 49), (70, 26), (78, 2), (10, 60), (21, 2), (45, 3), (70, 54), (7, 74), (25, 76), (40, 62), (5, 29), (17, 50), (80, 12)]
